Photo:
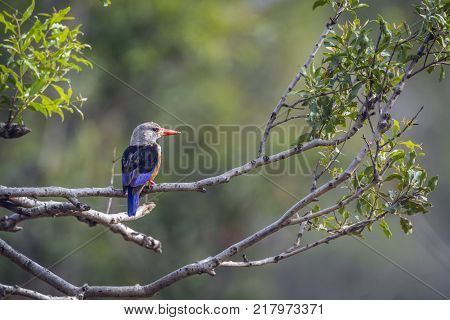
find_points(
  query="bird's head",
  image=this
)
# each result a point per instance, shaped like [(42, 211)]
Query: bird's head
[(147, 133)]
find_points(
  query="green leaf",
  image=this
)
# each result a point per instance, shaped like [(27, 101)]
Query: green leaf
[(81, 60), (8, 25), (58, 16), (61, 93), (28, 12), (361, 5), (411, 145), (385, 227), (432, 183), (39, 108), (394, 176), (406, 225), (36, 87), (63, 36), (354, 91), (31, 66), (395, 127), (397, 155), (319, 3), (345, 215), (52, 106), (413, 206), (412, 159)]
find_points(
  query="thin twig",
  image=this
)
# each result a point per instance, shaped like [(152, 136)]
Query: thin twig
[(111, 182), (297, 77), (296, 250), (288, 119)]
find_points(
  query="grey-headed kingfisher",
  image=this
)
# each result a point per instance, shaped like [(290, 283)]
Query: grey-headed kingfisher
[(141, 161)]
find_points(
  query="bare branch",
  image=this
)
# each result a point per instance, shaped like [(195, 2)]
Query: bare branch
[(288, 119), (300, 232), (442, 61), (37, 270), (6, 290), (206, 266), (296, 250), (317, 175), (13, 130), (7, 192), (409, 124), (111, 182), (36, 209)]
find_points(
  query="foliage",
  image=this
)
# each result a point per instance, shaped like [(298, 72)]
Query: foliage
[(38, 52), (362, 66), (356, 66), (349, 4)]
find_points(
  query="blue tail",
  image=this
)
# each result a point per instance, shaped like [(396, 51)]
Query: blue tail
[(133, 201)]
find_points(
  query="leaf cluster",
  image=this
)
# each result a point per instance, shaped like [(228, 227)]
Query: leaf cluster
[(393, 183), (37, 54), (363, 63), (361, 67)]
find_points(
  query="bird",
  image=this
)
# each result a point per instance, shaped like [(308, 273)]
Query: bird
[(141, 161)]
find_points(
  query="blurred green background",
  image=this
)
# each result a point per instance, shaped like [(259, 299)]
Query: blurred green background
[(213, 62)]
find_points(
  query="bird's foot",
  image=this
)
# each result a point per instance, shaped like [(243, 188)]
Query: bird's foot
[(151, 183)]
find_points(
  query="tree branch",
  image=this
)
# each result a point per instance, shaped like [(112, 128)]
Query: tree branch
[(37, 270), (297, 77), (294, 250), (13, 130), (6, 290), (27, 209), (385, 117), (8, 192)]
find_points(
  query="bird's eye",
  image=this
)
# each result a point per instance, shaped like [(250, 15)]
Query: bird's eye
[(155, 129)]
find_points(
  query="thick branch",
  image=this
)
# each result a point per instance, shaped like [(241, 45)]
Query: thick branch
[(37, 270), (7, 192), (6, 291), (27, 209), (206, 266), (13, 130)]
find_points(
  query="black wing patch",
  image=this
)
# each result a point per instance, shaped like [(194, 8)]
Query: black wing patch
[(138, 164)]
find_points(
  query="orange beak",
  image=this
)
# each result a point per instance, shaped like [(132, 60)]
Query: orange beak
[(167, 132)]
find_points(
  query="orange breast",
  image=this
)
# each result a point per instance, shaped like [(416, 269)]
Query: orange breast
[(155, 172)]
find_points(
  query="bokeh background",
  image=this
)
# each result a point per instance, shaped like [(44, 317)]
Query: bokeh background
[(212, 63)]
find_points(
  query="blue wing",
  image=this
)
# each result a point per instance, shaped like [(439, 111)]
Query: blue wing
[(138, 164)]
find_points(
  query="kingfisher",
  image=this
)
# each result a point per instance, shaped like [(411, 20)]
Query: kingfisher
[(141, 161)]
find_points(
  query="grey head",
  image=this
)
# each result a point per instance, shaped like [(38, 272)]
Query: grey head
[(147, 133)]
